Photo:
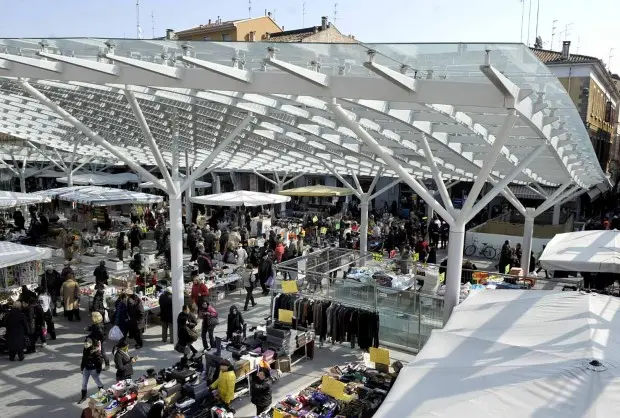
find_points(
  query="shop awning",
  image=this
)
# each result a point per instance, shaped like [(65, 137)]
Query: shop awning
[(317, 191), (240, 198), (516, 354), (583, 251), (101, 179), (100, 196), (13, 199), (12, 254)]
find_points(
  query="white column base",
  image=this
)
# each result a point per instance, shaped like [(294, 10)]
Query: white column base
[(456, 243), (176, 251)]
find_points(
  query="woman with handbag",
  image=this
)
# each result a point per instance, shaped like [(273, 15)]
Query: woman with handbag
[(186, 324), (209, 322)]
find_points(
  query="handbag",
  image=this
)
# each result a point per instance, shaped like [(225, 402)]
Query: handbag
[(270, 281), (213, 321), (192, 334)]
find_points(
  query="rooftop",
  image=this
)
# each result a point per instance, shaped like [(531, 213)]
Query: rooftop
[(218, 24), (555, 57)]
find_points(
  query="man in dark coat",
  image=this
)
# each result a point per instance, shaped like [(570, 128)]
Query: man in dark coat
[(165, 314), (209, 242), (134, 238), (101, 274), (136, 319), (16, 332)]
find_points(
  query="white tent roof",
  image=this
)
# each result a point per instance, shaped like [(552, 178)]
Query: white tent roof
[(402, 94), (100, 196), (516, 354), (12, 254), (197, 184), (102, 179), (240, 198), (586, 251), (13, 199)]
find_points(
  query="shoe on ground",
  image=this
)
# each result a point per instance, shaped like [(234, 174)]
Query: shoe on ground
[(43, 345), (245, 309)]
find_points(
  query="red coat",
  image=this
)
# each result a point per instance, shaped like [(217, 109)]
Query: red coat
[(279, 252), (199, 290)]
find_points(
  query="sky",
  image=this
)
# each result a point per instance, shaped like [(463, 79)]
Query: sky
[(592, 24)]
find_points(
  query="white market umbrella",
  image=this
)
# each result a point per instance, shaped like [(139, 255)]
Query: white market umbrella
[(516, 354), (197, 184), (240, 198), (101, 179), (584, 251), (13, 199), (12, 254), (100, 196)]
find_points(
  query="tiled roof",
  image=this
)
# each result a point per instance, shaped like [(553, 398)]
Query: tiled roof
[(296, 35), (552, 57), (209, 27)]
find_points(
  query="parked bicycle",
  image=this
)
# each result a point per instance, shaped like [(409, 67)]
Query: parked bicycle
[(487, 251)]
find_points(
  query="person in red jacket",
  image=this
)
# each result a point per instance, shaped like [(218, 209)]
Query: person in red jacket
[(199, 290), (279, 251)]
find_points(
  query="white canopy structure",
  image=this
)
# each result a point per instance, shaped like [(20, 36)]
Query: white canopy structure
[(516, 354), (101, 179), (197, 184), (469, 112), (13, 199), (100, 196), (583, 251), (240, 198), (12, 254)]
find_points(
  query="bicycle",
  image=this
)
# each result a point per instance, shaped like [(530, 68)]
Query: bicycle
[(487, 251)]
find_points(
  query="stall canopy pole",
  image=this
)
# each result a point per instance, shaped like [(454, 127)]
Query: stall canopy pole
[(70, 167)]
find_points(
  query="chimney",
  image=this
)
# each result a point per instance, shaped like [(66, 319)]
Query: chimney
[(218, 20), (324, 23), (169, 34), (269, 14), (208, 23), (267, 35), (565, 50), (252, 36)]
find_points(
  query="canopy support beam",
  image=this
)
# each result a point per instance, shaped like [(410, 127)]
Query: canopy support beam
[(97, 139), (88, 160), (148, 136), (62, 168), (443, 190), (202, 168), (356, 192), (267, 179)]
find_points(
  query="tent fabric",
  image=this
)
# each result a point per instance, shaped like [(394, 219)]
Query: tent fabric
[(583, 251), (102, 179), (317, 191), (240, 198), (197, 185), (12, 254), (13, 199), (516, 354), (100, 196)]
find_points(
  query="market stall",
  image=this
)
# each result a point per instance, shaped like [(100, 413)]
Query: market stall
[(14, 199), (583, 251), (101, 179), (20, 265), (100, 196), (518, 353), (197, 185), (240, 198), (317, 191)]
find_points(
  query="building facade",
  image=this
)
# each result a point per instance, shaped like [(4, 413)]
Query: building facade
[(595, 94), (325, 33), (248, 30)]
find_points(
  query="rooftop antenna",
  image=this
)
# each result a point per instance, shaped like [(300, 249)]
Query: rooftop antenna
[(250, 9), (529, 22), (303, 14), (578, 44), (566, 30), (335, 12), (153, 22), (522, 17), (553, 29), (138, 28), (611, 55), (537, 16)]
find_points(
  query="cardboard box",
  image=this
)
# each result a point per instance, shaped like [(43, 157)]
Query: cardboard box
[(102, 249), (86, 259), (516, 271), (242, 368), (284, 364), (114, 264)]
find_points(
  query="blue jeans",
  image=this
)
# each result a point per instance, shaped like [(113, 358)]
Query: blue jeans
[(86, 374)]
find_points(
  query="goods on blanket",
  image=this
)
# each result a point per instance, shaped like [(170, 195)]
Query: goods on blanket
[(381, 277), (362, 392)]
